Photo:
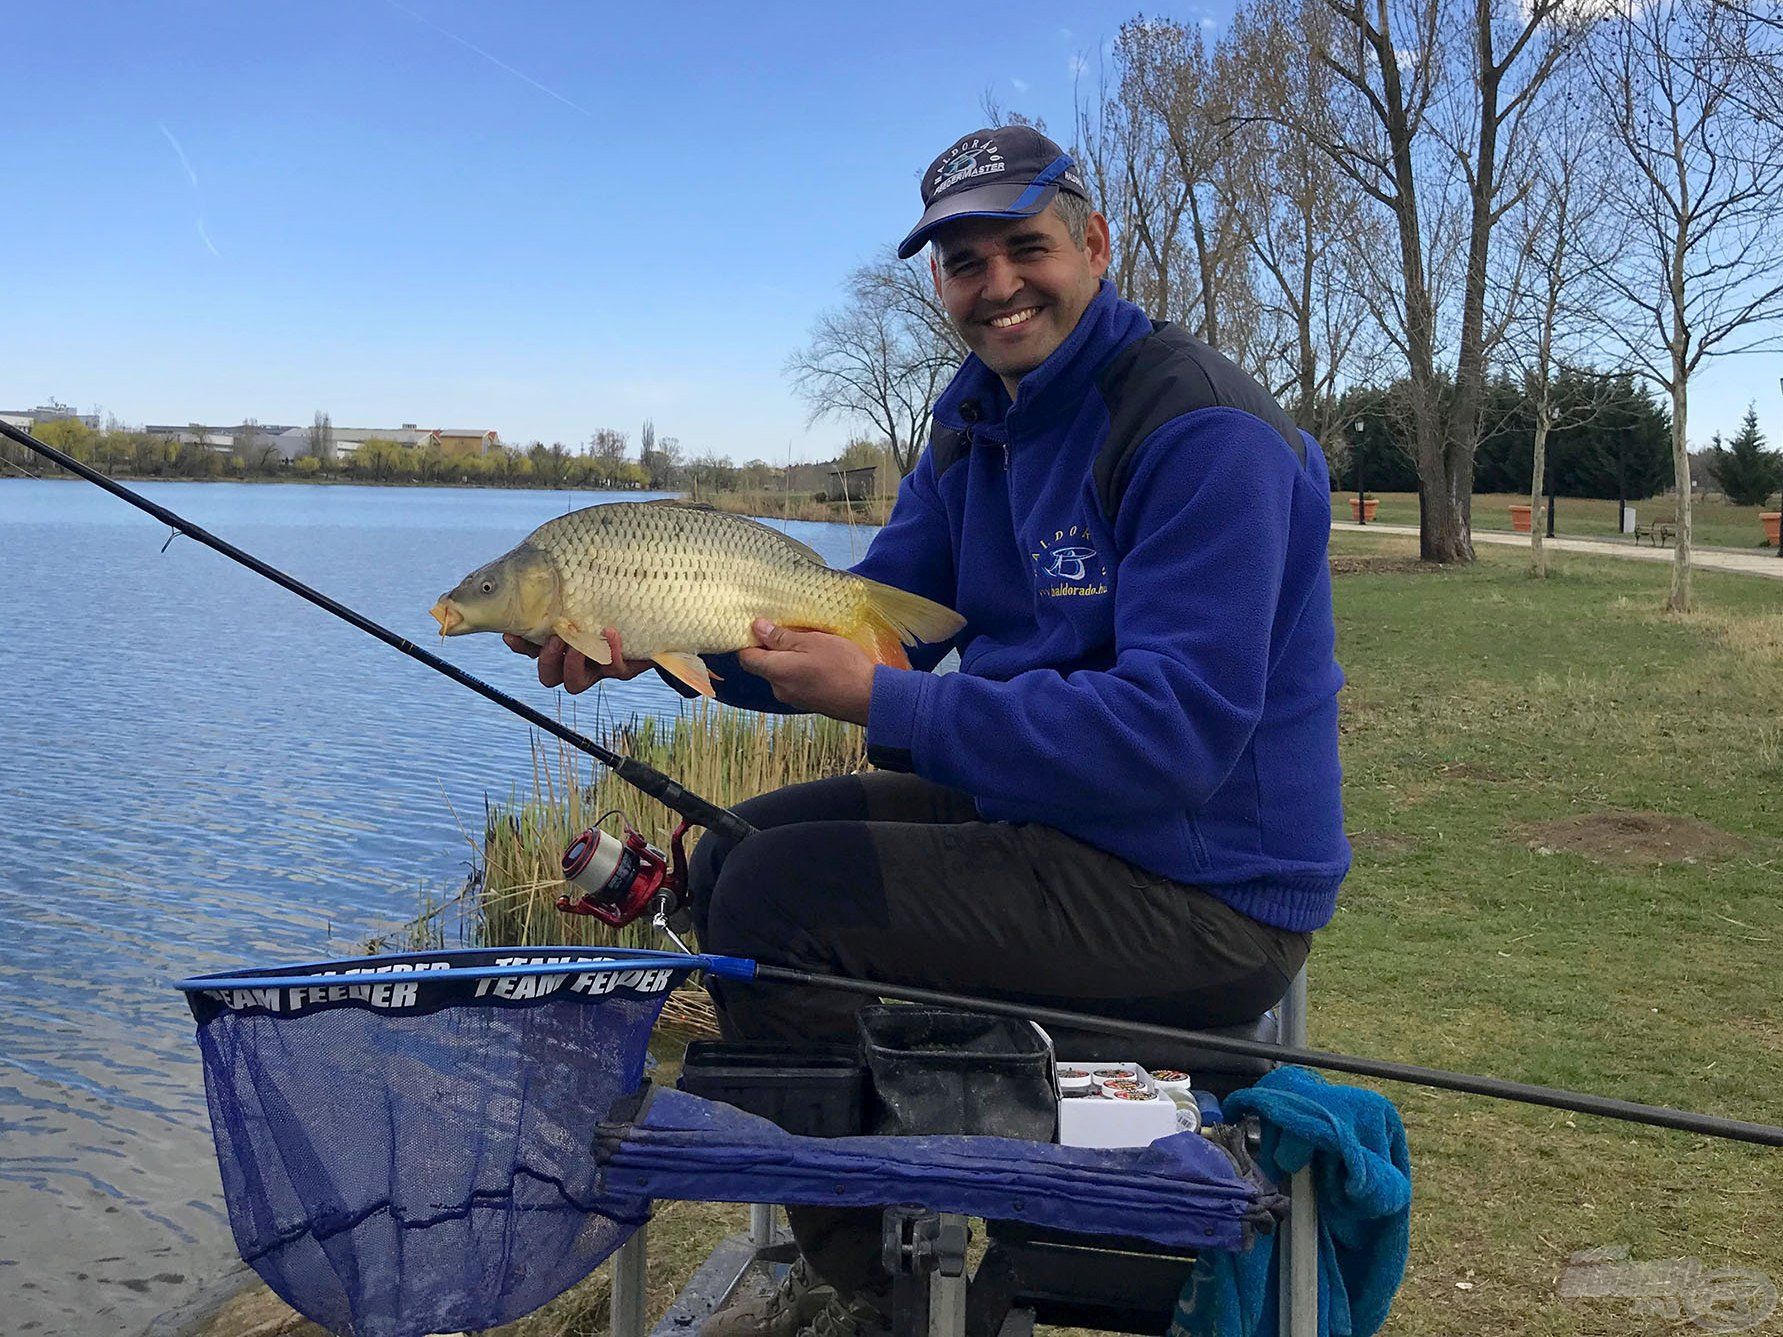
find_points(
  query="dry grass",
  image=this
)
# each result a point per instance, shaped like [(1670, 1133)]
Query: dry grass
[(802, 506), (721, 754)]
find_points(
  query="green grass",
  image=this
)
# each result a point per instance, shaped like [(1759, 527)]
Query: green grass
[(1713, 524), (1481, 705)]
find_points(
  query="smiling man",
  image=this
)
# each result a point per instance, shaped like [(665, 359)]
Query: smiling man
[(1125, 801)]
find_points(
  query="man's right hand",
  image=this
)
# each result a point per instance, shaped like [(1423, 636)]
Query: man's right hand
[(564, 666)]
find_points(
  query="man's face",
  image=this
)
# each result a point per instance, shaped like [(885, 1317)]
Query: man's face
[(1015, 287)]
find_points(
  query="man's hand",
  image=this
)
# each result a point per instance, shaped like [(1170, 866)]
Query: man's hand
[(565, 666), (813, 670)]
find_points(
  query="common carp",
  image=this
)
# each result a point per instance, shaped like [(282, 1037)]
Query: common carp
[(678, 581)]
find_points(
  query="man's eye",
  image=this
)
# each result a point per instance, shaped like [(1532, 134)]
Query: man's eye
[(965, 267)]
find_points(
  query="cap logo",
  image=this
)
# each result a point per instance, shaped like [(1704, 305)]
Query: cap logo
[(969, 158)]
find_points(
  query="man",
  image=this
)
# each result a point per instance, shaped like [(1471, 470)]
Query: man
[(1126, 799)]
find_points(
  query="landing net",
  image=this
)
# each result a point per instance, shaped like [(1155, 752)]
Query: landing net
[(405, 1140)]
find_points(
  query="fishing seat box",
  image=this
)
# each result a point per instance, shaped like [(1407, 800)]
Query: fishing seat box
[(815, 1091)]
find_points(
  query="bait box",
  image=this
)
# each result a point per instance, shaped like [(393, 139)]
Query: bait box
[(1095, 1121), (814, 1091)]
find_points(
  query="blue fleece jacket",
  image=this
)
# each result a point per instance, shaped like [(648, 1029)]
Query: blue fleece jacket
[(1162, 685)]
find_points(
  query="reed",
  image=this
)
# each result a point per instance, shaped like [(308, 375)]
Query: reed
[(510, 898)]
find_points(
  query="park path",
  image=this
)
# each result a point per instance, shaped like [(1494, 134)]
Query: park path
[(1702, 559)]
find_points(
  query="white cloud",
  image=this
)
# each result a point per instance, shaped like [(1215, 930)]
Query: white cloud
[(1021, 85)]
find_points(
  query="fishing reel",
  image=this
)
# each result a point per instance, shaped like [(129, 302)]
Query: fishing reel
[(621, 878)]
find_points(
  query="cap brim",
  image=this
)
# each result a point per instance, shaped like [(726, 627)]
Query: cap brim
[(996, 200)]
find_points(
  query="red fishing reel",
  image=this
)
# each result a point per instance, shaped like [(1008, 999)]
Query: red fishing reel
[(620, 878)]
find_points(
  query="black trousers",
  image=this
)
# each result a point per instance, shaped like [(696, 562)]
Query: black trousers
[(889, 877)]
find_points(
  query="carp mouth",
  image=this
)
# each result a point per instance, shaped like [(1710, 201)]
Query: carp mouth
[(447, 615)]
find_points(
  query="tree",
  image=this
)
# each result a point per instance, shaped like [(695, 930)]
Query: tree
[(1699, 272), (1515, 46), (1553, 294), (1305, 223), (1384, 63), (662, 464), (1747, 472), (254, 450), (319, 442), (608, 445), (1428, 104), (882, 357)]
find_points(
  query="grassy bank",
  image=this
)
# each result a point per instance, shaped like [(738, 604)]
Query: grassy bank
[(1713, 523), (801, 506), (1569, 870)]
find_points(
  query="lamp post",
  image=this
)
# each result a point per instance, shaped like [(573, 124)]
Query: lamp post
[(1551, 488), (1359, 426)]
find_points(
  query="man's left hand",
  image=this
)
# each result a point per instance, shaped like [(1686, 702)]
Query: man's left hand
[(813, 670)]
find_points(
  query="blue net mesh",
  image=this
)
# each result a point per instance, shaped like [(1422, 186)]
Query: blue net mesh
[(407, 1154)]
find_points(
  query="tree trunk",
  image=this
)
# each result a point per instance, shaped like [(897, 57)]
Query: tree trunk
[(1538, 555), (1470, 361), (1679, 602)]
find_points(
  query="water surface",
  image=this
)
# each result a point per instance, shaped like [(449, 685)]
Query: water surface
[(198, 770)]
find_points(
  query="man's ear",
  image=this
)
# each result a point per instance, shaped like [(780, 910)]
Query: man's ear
[(935, 273), (1096, 243)]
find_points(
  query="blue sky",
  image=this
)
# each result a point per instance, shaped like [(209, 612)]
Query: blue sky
[(538, 217)]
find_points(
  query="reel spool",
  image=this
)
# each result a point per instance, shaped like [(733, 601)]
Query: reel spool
[(620, 878)]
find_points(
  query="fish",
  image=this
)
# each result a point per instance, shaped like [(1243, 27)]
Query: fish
[(678, 580)]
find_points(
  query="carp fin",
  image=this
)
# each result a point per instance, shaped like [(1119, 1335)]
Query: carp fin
[(687, 668), (594, 646), (893, 618)]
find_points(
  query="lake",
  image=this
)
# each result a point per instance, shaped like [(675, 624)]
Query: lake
[(199, 770)]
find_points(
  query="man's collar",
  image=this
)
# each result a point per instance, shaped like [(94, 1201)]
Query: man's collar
[(1066, 371)]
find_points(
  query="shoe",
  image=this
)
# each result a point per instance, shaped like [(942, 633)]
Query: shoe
[(848, 1318), (781, 1312)]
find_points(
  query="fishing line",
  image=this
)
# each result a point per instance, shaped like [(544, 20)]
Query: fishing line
[(640, 775)]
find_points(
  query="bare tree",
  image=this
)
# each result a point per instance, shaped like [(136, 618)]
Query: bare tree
[(319, 442), (1303, 221), (608, 445), (883, 356), (1155, 148), (1700, 270), (1550, 272), (1385, 62), (253, 447), (1514, 48)]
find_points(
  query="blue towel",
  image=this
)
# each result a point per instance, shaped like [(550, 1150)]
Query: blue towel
[(1362, 1172)]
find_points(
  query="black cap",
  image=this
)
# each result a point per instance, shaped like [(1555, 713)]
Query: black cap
[(1007, 171)]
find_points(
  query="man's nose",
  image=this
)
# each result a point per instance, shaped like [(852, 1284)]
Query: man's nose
[(1001, 280)]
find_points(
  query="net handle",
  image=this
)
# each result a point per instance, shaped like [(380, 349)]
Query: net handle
[(726, 967)]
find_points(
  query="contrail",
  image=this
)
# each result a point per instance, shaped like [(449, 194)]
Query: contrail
[(190, 174), (501, 64), (197, 194)]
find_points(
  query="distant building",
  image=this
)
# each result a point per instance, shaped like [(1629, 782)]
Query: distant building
[(465, 441), (856, 484), (26, 419), (294, 442)]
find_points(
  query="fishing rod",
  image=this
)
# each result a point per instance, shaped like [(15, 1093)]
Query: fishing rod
[(703, 812), (1609, 1107), (640, 775)]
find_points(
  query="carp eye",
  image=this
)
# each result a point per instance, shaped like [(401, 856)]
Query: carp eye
[(489, 587)]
